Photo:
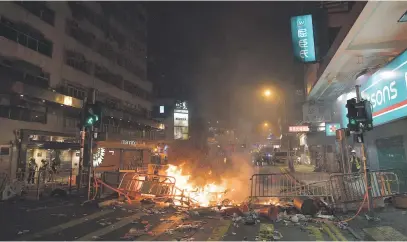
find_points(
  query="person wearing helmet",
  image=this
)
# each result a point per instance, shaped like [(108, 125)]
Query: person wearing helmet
[(355, 162)]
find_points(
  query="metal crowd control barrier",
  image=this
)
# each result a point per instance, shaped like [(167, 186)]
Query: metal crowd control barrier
[(132, 185), (352, 187), (137, 184), (284, 185)]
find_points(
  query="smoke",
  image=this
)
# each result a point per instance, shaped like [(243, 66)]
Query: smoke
[(238, 177)]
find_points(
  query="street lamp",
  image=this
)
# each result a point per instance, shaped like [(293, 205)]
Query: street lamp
[(267, 93)]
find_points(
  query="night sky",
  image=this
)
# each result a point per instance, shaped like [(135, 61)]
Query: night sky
[(207, 51)]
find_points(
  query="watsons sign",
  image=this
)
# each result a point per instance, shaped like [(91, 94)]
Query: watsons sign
[(387, 91)]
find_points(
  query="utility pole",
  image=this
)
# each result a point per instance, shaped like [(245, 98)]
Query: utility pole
[(365, 162)]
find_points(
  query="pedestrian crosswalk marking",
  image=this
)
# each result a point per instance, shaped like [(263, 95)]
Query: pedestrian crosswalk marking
[(316, 232), (385, 233), (329, 232), (266, 232), (220, 231), (337, 232), (103, 231), (72, 223), (160, 229)]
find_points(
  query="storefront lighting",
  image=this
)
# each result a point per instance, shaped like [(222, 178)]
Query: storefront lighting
[(98, 157)]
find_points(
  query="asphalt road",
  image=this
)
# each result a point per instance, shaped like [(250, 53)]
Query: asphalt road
[(67, 220)]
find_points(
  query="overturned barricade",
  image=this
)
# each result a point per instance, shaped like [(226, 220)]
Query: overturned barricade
[(135, 186)]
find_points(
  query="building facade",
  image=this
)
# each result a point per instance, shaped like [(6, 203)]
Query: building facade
[(364, 54), (51, 55)]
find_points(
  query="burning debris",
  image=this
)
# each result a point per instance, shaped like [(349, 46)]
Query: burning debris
[(209, 194)]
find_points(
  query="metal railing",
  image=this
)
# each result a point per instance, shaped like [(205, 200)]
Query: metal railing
[(352, 187), (284, 185), (35, 183)]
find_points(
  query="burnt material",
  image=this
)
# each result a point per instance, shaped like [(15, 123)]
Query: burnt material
[(305, 205)]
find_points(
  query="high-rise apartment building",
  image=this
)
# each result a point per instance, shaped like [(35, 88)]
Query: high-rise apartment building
[(51, 55)]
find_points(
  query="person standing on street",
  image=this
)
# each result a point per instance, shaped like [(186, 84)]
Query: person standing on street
[(32, 167), (355, 162)]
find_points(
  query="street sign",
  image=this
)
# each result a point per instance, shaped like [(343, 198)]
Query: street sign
[(298, 129), (330, 129), (302, 34)]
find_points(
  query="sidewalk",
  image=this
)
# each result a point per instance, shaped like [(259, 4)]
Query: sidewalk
[(390, 227)]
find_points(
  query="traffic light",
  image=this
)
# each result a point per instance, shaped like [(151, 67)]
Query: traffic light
[(359, 113), (92, 115), (352, 115), (366, 113)]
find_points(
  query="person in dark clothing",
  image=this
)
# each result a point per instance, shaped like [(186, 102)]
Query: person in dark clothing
[(43, 169), (355, 162), (32, 167)]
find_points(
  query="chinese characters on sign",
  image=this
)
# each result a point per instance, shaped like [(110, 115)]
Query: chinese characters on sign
[(302, 34), (295, 129)]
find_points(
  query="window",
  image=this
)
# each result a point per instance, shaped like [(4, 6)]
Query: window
[(77, 61), (4, 151), (70, 122), (23, 114), (82, 36), (39, 9), (75, 91), (391, 153), (105, 75), (8, 71), (26, 36)]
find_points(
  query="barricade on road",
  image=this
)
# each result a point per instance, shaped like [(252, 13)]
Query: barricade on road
[(284, 185), (136, 184), (352, 187)]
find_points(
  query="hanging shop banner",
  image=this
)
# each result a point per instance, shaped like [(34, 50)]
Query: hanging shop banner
[(302, 33), (330, 129)]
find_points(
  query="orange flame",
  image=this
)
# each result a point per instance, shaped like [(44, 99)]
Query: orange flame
[(206, 195)]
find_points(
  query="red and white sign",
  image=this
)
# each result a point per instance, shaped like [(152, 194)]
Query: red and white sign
[(296, 129)]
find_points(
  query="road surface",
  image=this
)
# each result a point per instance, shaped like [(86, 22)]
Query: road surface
[(67, 220)]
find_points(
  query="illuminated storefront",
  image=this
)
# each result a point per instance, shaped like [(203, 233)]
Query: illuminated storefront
[(181, 121)]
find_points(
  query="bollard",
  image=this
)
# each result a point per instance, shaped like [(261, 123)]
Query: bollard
[(305, 205)]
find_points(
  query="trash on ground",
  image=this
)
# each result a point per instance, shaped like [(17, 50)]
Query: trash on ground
[(329, 217), (23, 231), (277, 235)]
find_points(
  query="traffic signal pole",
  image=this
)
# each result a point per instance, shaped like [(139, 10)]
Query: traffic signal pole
[(366, 167), (82, 146), (90, 145)]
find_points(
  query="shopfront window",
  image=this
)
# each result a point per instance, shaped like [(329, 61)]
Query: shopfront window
[(391, 153)]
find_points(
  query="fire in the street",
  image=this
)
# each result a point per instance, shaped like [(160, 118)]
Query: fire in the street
[(205, 195)]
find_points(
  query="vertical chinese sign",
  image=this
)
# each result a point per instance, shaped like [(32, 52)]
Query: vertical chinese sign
[(302, 34)]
